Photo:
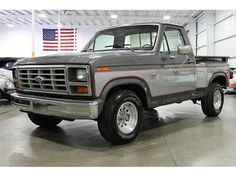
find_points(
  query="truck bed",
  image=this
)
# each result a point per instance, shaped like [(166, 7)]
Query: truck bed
[(211, 59)]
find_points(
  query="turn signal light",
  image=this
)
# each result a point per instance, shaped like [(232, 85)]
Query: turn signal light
[(103, 68), (82, 89)]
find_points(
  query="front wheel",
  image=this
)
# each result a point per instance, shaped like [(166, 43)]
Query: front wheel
[(121, 117), (212, 102), (44, 121)]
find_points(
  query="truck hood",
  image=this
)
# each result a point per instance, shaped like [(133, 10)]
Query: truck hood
[(82, 58), (76, 58)]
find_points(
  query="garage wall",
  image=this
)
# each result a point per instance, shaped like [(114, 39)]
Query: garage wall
[(16, 41), (216, 34), (225, 34)]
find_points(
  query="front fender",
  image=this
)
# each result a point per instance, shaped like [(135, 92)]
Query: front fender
[(125, 82)]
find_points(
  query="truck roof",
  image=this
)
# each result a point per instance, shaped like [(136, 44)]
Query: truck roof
[(144, 23)]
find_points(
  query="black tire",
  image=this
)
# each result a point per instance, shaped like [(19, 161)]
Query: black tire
[(1, 94), (44, 121), (108, 124), (207, 101)]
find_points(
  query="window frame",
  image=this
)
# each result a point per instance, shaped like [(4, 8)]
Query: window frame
[(155, 42), (164, 35)]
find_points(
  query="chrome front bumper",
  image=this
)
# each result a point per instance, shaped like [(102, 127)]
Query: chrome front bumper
[(64, 108)]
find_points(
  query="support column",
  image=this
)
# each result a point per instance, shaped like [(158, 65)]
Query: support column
[(192, 34), (59, 31), (33, 32), (210, 27)]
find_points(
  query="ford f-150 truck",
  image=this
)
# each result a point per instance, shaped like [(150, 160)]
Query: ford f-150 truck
[(120, 73)]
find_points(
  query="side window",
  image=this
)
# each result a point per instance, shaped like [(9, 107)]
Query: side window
[(91, 47), (174, 38), (104, 42), (164, 46)]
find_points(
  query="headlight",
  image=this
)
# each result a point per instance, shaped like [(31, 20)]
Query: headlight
[(81, 75)]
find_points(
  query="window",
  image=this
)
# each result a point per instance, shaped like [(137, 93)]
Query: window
[(164, 46), (142, 40), (103, 42), (174, 38), (141, 37), (132, 40)]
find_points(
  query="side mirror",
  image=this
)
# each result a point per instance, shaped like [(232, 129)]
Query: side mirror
[(184, 50)]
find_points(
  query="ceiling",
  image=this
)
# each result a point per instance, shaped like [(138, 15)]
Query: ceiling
[(96, 17)]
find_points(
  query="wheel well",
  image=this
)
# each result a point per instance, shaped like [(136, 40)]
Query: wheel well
[(221, 80), (133, 87)]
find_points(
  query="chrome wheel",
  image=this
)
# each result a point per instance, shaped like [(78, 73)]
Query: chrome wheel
[(127, 117), (217, 99)]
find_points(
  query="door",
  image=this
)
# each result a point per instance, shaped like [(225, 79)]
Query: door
[(178, 73)]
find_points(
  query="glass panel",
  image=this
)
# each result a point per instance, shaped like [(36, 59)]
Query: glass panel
[(164, 47), (174, 39), (136, 37), (154, 35), (145, 40), (104, 42), (133, 40)]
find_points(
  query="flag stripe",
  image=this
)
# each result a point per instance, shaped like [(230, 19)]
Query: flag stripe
[(67, 49), (67, 39), (63, 46), (66, 32), (66, 29), (60, 42), (72, 32), (62, 36), (50, 49)]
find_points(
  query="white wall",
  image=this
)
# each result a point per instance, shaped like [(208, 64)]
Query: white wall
[(17, 41), (201, 36), (216, 34)]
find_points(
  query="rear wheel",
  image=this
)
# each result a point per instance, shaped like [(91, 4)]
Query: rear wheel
[(121, 117), (212, 102), (44, 121)]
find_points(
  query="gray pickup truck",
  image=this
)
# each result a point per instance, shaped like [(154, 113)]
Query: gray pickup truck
[(120, 73)]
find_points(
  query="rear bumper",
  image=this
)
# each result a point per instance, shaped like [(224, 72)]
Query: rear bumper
[(64, 108), (231, 89)]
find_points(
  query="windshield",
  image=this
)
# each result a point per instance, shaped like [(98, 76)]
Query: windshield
[(131, 37)]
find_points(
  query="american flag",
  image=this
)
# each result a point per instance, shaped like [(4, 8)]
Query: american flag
[(67, 39)]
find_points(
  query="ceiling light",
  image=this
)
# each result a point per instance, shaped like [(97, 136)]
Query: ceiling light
[(42, 15), (10, 25), (166, 17), (114, 16)]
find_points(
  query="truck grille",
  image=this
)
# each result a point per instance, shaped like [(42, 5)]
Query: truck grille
[(43, 79)]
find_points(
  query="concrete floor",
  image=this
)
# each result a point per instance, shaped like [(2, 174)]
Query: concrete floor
[(181, 137)]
